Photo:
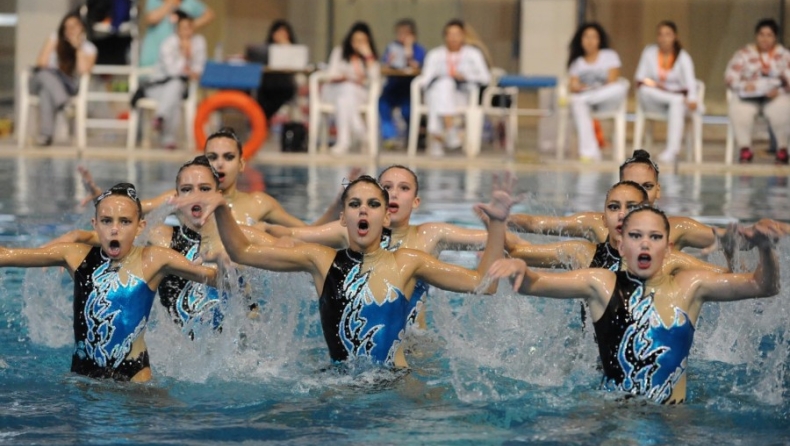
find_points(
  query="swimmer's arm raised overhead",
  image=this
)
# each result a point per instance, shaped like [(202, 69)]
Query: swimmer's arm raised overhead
[(573, 254), (331, 234), (763, 282), (588, 225)]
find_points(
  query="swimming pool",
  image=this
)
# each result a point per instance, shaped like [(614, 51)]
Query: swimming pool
[(491, 369)]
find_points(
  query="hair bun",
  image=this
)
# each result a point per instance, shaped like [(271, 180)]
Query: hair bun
[(641, 154)]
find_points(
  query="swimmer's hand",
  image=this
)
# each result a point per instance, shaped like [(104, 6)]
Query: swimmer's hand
[(513, 269), (763, 234), (501, 200), (90, 186), (197, 208)]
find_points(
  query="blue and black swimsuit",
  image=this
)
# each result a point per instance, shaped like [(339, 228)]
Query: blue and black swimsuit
[(355, 324), (186, 300), (109, 315), (640, 355), (417, 300)]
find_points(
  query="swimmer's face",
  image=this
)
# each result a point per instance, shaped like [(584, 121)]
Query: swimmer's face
[(400, 184), (195, 180), (117, 222), (645, 176), (620, 201), (225, 158), (365, 215), (645, 243)]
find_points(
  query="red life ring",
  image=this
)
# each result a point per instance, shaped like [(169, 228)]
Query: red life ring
[(241, 102)]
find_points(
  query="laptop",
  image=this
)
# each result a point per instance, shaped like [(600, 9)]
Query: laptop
[(288, 57)]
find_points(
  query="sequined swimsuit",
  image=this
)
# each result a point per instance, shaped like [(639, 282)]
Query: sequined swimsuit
[(109, 315), (640, 354), (187, 301), (420, 291), (355, 324)]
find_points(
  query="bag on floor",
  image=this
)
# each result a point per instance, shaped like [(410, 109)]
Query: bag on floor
[(294, 137)]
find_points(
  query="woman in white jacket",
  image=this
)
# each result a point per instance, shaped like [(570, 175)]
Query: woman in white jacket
[(666, 82), (353, 66), (448, 72)]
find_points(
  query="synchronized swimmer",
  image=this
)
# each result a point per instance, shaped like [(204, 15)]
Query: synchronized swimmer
[(372, 267)]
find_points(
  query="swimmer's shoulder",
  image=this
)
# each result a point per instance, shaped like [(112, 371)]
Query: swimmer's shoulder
[(161, 235)]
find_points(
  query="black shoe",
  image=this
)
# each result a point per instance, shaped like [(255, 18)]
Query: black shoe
[(43, 141), (782, 157), (746, 155)]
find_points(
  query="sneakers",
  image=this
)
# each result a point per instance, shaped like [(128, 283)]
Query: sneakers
[(338, 150), (435, 149), (452, 141), (781, 156), (747, 155)]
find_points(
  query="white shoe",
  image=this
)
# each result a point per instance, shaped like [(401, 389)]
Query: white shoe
[(451, 140), (338, 150), (667, 157), (435, 149)]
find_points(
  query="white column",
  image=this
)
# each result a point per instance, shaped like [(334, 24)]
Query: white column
[(546, 29)]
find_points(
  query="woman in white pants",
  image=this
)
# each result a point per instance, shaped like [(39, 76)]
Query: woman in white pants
[(352, 67), (448, 72), (758, 77), (666, 82), (595, 83)]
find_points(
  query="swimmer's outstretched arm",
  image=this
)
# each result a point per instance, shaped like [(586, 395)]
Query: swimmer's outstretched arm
[(68, 255), (166, 261), (588, 225), (76, 236), (150, 205), (593, 284), (689, 233), (331, 234), (571, 254), (680, 261), (763, 282), (454, 278)]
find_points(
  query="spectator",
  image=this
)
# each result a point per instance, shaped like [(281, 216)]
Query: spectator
[(182, 58), (64, 57), (402, 54), (448, 72), (352, 67), (594, 71), (276, 88), (758, 76), (160, 19), (666, 83)]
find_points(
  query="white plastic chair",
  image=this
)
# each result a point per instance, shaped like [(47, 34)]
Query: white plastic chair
[(27, 100), (472, 113), (693, 134), (87, 96), (320, 109), (510, 113), (729, 146), (149, 105), (616, 114)]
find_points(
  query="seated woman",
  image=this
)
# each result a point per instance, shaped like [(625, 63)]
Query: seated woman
[(276, 88), (448, 72), (114, 286), (757, 75), (667, 83), (160, 24), (182, 58), (645, 318), (63, 58), (595, 83), (364, 289), (353, 66)]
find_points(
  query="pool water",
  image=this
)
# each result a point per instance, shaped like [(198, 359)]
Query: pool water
[(489, 369)]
